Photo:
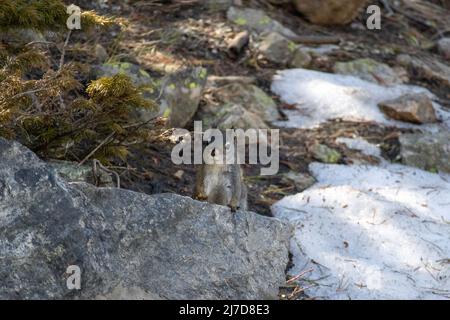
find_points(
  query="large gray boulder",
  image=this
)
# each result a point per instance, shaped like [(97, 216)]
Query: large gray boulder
[(251, 98), (428, 151), (277, 48), (128, 245), (239, 106), (181, 95)]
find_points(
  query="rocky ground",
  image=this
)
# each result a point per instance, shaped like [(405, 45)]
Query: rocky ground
[(165, 38), (364, 119)]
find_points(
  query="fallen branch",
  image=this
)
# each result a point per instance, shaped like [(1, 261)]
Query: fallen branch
[(63, 51), (105, 141), (99, 164)]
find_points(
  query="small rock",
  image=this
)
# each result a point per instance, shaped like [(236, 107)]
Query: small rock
[(101, 55), (301, 58), (161, 61), (302, 181), (329, 12), (414, 108), (427, 69), (428, 151), (238, 43), (251, 98), (325, 154), (72, 172), (321, 50), (369, 70), (181, 96), (257, 20), (444, 47), (401, 73), (233, 116), (179, 174), (277, 48)]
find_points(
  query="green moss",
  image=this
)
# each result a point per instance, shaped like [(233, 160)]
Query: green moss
[(193, 85), (334, 157), (148, 89), (263, 98), (265, 21), (241, 21), (361, 65), (203, 73), (144, 73), (326, 154), (433, 170), (121, 67), (292, 46)]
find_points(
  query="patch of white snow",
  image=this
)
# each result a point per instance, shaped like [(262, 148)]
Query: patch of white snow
[(362, 145), (320, 97), (372, 232)]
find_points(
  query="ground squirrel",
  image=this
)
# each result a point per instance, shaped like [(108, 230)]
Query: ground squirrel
[(222, 184)]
